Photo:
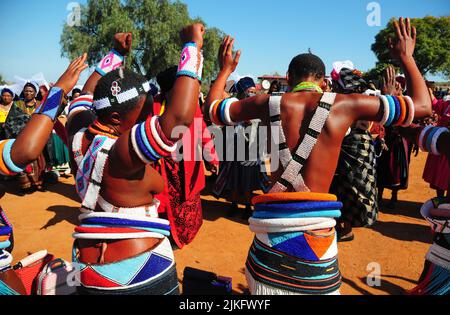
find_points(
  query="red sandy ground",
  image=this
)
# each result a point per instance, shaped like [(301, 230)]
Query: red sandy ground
[(398, 242)]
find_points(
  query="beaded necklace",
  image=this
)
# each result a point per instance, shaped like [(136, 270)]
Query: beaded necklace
[(307, 86), (97, 128)]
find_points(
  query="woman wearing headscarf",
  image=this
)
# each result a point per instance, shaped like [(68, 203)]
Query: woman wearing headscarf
[(241, 178), (6, 103), (355, 179), (19, 115)]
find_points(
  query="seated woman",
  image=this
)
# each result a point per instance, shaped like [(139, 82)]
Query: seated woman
[(15, 154), (121, 244)]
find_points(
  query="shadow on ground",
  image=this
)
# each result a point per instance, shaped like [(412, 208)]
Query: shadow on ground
[(404, 231), (63, 214), (404, 208)]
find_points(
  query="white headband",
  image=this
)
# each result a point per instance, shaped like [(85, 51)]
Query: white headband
[(122, 97)]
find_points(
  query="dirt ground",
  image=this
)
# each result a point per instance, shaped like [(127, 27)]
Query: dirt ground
[(397, 243)]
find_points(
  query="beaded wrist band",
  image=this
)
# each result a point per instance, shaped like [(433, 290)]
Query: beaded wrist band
[(51, 104), (111, 62), (191, 62)]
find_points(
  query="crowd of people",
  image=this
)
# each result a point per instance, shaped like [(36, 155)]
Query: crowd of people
[(140, 181)]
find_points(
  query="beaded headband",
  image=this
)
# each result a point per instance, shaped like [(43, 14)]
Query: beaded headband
[(120, 98)]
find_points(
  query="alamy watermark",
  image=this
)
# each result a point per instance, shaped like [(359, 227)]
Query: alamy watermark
[(374, 17), (74, 17), (374, 277), (246, 144)]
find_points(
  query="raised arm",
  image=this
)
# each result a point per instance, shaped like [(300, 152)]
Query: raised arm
[(78, 117), (153, 139), (32, 140), (183, 104), (402, 49), (247, 109)]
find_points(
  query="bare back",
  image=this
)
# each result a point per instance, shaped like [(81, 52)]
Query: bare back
[(297, 111)]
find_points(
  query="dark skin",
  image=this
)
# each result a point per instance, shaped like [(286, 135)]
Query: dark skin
[(443, 145), (297, 108), (29, 95), (390, 86), (7, 99), (32, 140), (127, 182)]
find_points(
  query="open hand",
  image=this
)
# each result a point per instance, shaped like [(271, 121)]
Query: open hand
[(193, 33), (390, 86), (123, 42), (226, 60), (404, 44), (69, 78)]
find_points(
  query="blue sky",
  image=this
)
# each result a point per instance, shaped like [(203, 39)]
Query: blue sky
[(269, 32)]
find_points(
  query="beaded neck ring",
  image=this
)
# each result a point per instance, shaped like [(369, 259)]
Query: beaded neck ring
[(97, 128), (307, 87)]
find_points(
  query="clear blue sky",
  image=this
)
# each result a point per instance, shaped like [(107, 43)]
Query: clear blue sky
[(269, 32)]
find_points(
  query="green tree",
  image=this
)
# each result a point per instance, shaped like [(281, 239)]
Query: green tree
[(374, 75), (2, 81), (155, 25), (432, 54)]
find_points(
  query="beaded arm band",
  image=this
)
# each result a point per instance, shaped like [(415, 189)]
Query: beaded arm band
[(429, 137), (398, 110), (7, 166), (51, 105), (111, 62), (191, 62), (219, 112), (150, 143)]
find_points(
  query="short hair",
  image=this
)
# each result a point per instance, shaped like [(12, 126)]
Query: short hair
[(166, 79), (126, 80), (76, 90), (305, 65)]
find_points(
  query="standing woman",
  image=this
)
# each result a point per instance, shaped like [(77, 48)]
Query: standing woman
[(15, 154), (393, 164), (121, 244), (355, 180), (31, 178), (243, 177), (437, 170), (184, 177), (5, 105)]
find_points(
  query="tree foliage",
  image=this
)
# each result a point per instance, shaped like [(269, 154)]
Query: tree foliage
[(155, 25), (432, 54), (2, 81), (374, 75)]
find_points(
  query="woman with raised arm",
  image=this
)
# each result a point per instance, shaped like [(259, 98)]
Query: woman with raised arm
[(295, 249), (15, 154), (121, 244)]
